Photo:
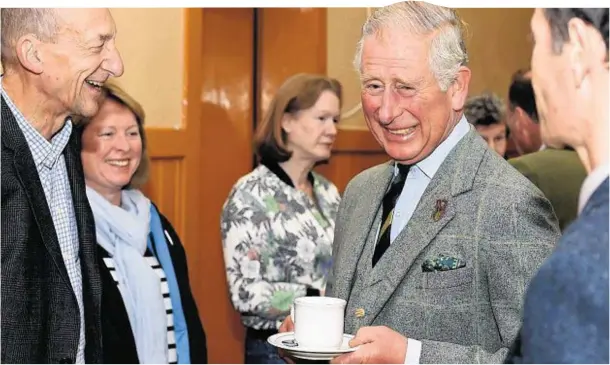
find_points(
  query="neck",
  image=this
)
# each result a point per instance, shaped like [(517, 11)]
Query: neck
[(113, 196), (594, 150), (297, 170), (45, 117)]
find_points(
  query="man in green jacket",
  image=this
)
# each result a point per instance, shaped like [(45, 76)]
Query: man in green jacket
[(557, 173)]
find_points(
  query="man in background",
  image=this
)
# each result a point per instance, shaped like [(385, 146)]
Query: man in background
[(557, 172), (486, 113), (54, 62), (522, 116), (566, 306)]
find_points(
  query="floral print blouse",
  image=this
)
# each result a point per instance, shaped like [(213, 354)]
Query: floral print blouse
[(277, 243)]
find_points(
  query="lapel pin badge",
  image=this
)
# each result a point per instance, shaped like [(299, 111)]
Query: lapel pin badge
[(359, 312), (439, 209)]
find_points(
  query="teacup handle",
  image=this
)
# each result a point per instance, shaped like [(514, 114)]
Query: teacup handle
[(292, 313)]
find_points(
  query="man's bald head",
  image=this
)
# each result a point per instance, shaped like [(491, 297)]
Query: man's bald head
[(17, 22)]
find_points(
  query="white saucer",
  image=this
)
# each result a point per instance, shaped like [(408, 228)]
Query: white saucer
[(283, 340)]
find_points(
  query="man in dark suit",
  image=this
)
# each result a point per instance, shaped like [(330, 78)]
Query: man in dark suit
[(54, 62), (566, 306), (545, 167)]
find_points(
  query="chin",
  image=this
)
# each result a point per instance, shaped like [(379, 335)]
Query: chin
[(403, 151)]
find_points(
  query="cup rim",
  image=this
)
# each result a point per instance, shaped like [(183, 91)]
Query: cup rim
[(319, 301)]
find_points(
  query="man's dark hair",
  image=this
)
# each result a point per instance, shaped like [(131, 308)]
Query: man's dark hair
[(559, 18), (521, 94), (485, 109)]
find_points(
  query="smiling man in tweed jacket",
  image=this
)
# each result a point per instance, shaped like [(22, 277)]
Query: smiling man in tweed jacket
[(434, 250)]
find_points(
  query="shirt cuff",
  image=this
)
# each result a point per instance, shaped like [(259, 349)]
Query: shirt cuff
[(413, 351)]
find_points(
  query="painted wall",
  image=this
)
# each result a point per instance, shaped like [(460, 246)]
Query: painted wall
[(151, 42)]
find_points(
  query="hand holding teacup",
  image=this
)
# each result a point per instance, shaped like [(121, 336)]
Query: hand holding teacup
[(317, 323)]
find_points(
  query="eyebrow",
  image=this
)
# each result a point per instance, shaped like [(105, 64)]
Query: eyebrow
[(101, 38), (105, 37)]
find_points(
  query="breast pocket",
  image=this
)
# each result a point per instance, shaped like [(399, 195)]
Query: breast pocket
[(446, 279), (453, 287)]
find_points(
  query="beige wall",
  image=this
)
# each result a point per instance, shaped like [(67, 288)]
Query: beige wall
[(497, 45), (151, 42)]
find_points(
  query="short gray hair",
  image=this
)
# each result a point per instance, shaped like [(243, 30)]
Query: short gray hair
[(17, 22), (448, 49)]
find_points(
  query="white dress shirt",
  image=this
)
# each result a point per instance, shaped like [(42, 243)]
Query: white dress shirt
[(591, 183)]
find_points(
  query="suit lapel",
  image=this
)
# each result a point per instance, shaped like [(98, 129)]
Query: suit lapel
[(454, 177), (25, 168), (358, 230), (92, 282)]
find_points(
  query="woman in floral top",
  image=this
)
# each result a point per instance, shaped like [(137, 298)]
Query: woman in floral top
[(278, 221)]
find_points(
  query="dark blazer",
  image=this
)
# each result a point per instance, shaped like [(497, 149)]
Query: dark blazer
[(559, 175), (566, 306), (119, 343), (40, 315)]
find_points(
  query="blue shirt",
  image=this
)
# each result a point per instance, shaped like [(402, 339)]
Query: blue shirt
[(420, 176), (52, 171)]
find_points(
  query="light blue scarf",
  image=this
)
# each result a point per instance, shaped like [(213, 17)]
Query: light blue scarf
[(123, 232), (165, 259)]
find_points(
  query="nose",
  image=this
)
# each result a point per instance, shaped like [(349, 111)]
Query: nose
[(121, 143), (114, 63), (388, 110), (332, 130)]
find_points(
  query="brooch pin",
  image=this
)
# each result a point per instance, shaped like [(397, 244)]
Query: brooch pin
[(359, 312), (439, 209)]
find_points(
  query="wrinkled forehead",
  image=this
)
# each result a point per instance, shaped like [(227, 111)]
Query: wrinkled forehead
[(89, 24)]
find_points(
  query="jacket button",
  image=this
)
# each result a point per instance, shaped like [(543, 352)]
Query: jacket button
[(66, 360)]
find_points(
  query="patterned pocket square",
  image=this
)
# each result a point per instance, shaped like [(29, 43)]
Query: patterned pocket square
[(443, 263)]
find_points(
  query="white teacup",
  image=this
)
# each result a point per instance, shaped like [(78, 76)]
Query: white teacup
[(318, 322)]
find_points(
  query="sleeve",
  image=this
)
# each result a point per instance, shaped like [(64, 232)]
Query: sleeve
[(413, 352), (566, 309), (523, 239), (245, 229)]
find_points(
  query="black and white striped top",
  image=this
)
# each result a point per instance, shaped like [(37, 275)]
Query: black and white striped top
[(154, 263)]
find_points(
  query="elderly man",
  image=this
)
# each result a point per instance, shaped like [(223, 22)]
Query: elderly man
[(566, 306), (547, 166), (435, 248), (54, 63)]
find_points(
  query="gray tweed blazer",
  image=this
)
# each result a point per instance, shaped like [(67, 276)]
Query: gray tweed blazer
[(495, 219)]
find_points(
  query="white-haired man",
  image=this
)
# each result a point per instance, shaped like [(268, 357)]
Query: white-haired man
[(432, 250)]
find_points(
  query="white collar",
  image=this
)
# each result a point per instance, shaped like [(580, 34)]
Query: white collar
[(591, 183)]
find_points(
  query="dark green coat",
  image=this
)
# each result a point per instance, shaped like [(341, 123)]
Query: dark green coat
[(559, 174)]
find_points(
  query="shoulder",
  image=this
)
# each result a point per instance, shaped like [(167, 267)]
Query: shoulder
[(508, 199), (367, 177), (165, 223), (504, 180), (326, 184), (578, 266)]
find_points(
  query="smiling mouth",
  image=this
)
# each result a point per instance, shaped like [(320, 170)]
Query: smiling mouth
[(402, 132), (95, 84), (118, 163)]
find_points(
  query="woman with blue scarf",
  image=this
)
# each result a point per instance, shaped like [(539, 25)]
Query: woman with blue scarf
[(148, 311)]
